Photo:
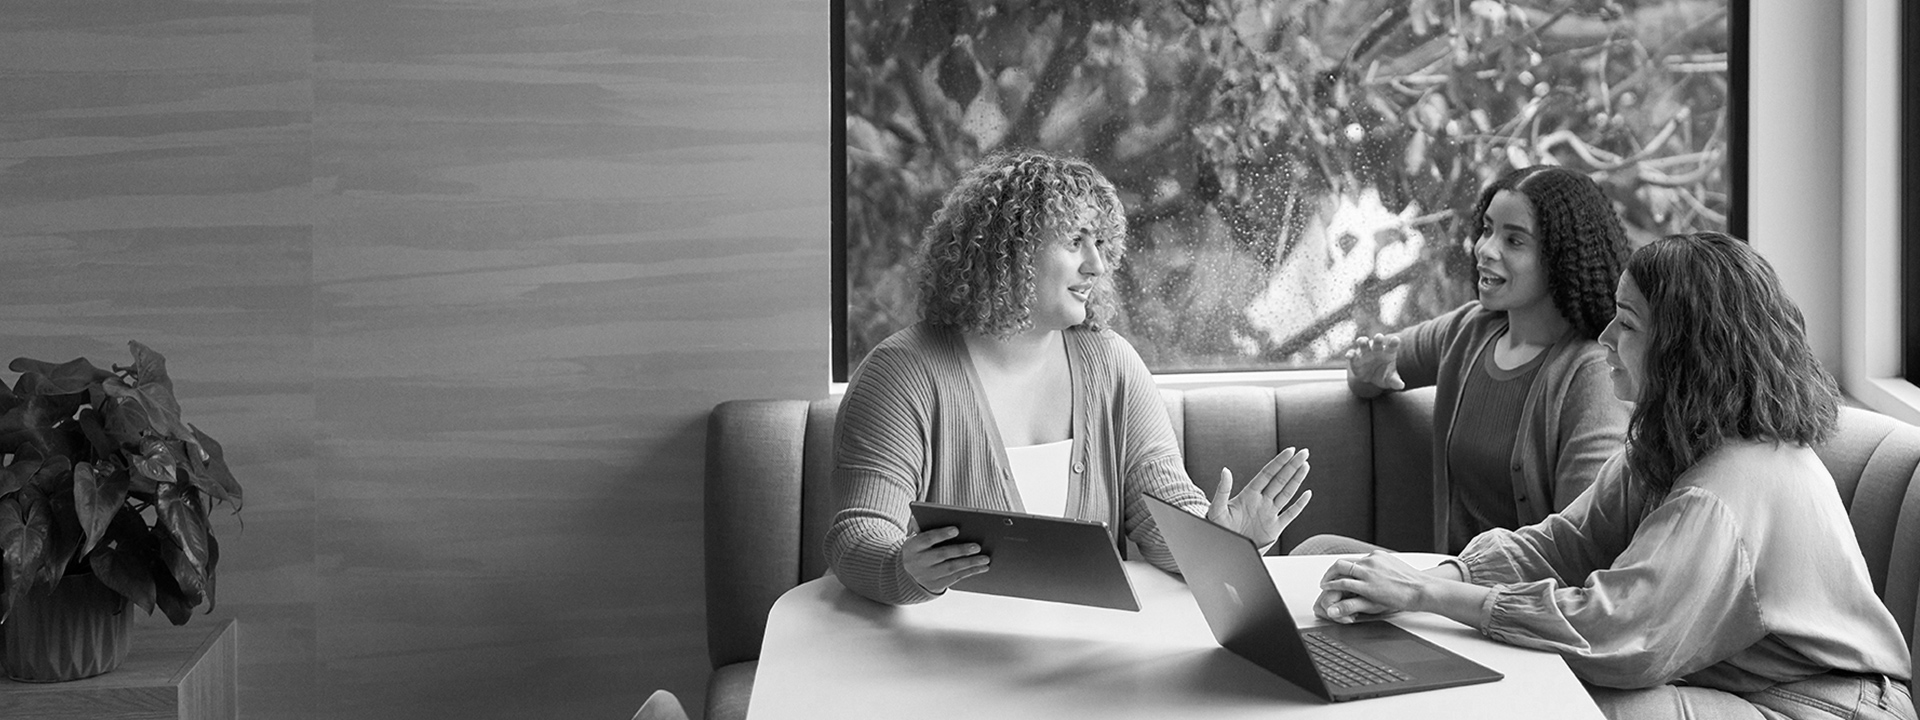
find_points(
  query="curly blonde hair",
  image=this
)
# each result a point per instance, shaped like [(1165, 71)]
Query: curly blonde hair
[(976, 263)]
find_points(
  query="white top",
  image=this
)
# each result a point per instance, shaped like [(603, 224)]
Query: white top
[(1040, 472)]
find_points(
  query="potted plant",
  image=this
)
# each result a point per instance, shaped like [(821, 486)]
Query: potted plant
[(105, 499)]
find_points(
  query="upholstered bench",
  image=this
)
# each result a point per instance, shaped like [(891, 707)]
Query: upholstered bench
[(769, 466)]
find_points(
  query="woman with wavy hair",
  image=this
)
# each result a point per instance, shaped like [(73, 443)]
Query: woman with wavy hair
[(1522, 414), (1012, 394), (1712, 571)]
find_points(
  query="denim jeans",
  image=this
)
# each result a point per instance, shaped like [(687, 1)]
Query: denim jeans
[(1832, 696)]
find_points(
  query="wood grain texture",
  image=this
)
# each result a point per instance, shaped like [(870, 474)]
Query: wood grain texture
[(171, 673), (456, 285), (155, 185)]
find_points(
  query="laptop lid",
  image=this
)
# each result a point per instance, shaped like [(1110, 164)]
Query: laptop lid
[(1248, 617), (1039, 557)]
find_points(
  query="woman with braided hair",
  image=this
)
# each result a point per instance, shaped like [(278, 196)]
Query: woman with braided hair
[(1010, 393), (1523, 414)]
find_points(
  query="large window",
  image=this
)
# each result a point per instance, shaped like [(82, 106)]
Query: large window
[(1295, 171)]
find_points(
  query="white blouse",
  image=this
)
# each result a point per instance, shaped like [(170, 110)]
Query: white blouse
[(1040, 474)]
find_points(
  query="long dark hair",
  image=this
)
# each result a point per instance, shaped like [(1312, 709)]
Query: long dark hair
[(1581, 240), (976, 265), (1727, 358)]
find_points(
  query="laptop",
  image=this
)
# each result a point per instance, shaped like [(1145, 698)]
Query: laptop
[(1039, 557), (1248, 617)]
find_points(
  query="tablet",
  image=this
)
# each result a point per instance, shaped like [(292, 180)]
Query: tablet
[(1039, 557)]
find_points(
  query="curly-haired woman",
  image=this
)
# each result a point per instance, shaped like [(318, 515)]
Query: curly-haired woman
[(1712, 571), (1523, 418), (1011, 394)]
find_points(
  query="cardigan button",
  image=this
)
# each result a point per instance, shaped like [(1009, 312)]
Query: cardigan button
[(1077, 467)]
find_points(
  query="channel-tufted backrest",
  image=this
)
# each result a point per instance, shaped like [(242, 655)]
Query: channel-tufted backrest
[(1873, 459), (769, 482), (769, 495)]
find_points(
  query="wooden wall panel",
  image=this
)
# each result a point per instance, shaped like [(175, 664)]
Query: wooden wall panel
[(549, 237), (155, 167), (456, 285)]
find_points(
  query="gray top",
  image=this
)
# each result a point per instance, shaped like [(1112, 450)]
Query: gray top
[(1482, 446)]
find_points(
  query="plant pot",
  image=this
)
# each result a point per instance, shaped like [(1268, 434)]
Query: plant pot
[(79, 630)]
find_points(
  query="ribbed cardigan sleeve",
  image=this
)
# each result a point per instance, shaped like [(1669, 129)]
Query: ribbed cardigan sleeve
[(1593, 429), (879, 448), (1151, 462), (1424, 345)]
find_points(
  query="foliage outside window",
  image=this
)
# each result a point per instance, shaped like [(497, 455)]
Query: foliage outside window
[(1295, 171)]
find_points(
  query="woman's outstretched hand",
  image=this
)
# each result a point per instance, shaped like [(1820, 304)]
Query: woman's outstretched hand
[(1373, 360), (1267, 504)]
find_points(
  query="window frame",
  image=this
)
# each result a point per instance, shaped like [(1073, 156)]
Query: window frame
[(1873, 220)]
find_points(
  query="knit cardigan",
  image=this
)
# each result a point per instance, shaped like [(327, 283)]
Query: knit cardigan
[(914, 425), (1569, 426)]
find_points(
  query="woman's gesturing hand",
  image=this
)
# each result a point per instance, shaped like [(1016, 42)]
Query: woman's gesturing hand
[(1373, 360), (937, 567), (1267, 505)]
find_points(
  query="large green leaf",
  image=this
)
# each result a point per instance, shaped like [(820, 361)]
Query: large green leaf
[(94, 426), (18, 474), (23, 544), (213, 561), (54, 475), (97, 499), (72, 376), (126, 420), (156, 461), (172, 603), (50, 401), (183, 516), (189, 578), (220, 484), (128, 560), (64, 535), (14, 428), (178, 586), (153, 390), (30, 421), (149, 365)]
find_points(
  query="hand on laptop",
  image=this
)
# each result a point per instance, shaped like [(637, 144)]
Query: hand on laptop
[(1358, 589), (937, 567), (1267, 504)]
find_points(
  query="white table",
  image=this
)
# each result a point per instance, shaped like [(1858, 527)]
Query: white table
[(830, 653)]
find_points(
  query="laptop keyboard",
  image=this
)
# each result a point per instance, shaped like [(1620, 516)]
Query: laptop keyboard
[(1340, 666)]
